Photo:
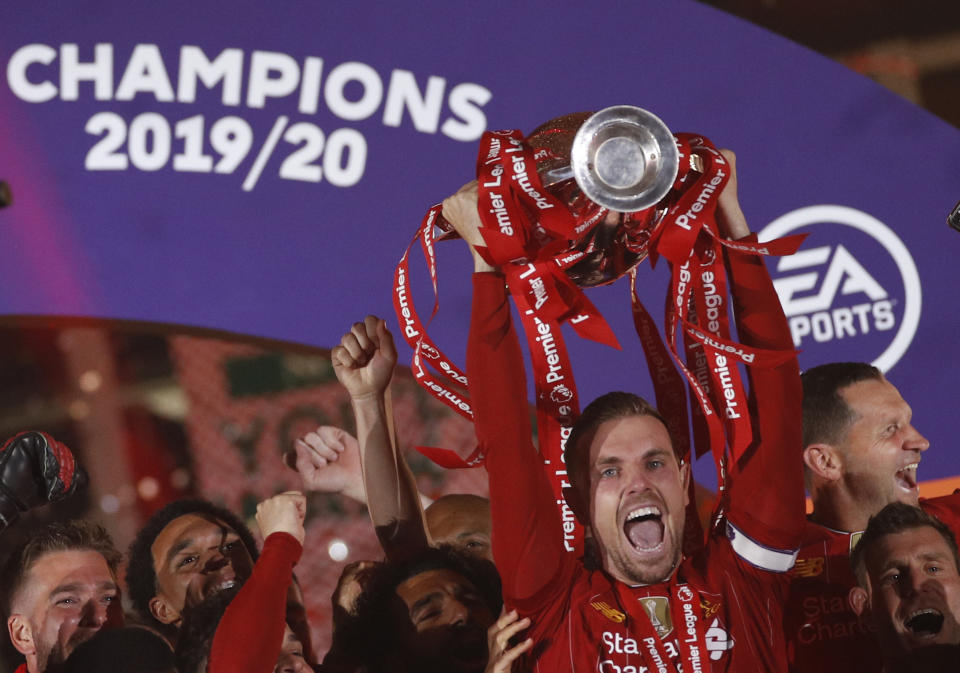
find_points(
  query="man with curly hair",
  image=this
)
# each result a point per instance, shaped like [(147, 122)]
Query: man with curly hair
[(187, 551), (427, 613)]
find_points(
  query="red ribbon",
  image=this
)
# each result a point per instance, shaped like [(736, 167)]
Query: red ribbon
[(688, 645), (529, 234)]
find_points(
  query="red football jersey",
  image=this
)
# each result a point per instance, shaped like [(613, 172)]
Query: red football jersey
[(585, 625), (581, 618), (822, 632)]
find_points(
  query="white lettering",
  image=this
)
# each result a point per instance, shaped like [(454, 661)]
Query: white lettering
[(352, 91), (549, 346), (424, 109), (227, 67), (466, 102), (272, 75), (703, 198), (72, 71), (145, 73), (17, 67), (523, 180)]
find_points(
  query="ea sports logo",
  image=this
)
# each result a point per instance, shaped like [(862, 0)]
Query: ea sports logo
[(852, 292)]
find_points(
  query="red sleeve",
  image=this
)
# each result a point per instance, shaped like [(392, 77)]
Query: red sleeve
[(526, 547), (946, 508), (766, 501), (250, 634)]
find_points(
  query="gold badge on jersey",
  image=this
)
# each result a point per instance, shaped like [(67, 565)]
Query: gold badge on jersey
[(854, 539), (808, 567), (608, 611), (658, 610)]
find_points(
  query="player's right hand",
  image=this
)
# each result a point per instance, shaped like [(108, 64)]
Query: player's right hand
[(283, 513), (365, 359), (328, 460)]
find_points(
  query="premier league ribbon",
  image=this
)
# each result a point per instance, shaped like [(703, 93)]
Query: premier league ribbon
[(690, 241), (688, 647), (530, 234)]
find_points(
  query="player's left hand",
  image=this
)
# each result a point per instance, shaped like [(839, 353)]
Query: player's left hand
[(733, 223), (502, 655)]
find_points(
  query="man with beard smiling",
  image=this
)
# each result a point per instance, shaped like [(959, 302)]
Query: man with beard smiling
[(59, 589), (908, 574), (647, 608), (429, 613), (861, 452)]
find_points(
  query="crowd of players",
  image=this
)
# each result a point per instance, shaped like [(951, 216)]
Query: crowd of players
[(869, 581)]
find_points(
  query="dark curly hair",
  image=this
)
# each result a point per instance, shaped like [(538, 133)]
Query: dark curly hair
[(142, 576), (375, 637)]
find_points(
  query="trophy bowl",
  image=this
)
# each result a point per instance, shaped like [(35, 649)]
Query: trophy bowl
[(612, 168), (624, 158)]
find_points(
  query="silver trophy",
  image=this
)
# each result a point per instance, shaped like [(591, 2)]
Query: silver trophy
[(614, 170), (623, 158)]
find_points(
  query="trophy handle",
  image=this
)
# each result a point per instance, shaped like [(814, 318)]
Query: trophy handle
[(552, 177)]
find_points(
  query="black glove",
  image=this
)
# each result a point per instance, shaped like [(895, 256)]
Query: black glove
[(35, 469)]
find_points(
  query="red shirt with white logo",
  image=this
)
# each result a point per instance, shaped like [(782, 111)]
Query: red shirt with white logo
[(579, 619), (822, 632)]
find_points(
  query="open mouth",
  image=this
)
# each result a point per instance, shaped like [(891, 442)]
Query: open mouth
[(644, 528), (924, 623), (223, 585), (907, 476)]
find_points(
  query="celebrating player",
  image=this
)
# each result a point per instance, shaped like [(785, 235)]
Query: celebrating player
[(908, 576), (647, 607), (861, 452), (59, 589)]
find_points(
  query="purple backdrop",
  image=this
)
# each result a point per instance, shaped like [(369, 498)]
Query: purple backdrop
[(129, 163)]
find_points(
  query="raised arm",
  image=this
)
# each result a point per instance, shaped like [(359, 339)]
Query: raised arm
[(527, 547), (766, 486), (250, 634), (364, 363), (328, 461)]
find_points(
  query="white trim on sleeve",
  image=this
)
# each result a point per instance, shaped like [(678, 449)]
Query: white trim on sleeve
[(752, 552)]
